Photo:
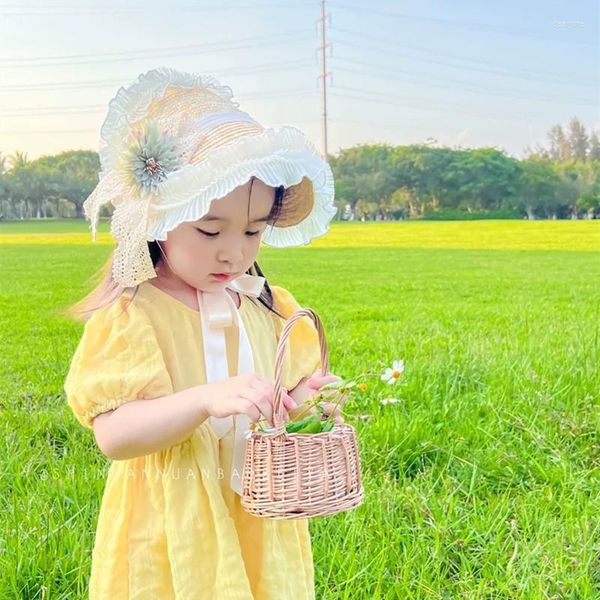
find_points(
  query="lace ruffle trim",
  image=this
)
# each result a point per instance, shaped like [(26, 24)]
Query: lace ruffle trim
[(277, 157)]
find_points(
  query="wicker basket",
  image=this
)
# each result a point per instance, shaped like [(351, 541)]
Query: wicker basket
[(300, 475)]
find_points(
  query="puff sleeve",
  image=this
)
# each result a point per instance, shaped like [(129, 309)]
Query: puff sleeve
[(118, 359), (302, 356)]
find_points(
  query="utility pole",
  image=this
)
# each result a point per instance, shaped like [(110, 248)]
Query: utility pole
[(324, 74)]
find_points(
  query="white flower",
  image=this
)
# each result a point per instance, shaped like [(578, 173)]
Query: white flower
[(391, 375), (385, 401)]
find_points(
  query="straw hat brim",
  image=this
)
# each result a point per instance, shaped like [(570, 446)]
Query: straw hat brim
[(278, 157)]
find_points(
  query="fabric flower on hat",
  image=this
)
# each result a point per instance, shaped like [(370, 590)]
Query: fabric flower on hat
[(148, 157)]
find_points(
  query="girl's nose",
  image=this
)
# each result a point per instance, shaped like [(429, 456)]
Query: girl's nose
[(232, 253)]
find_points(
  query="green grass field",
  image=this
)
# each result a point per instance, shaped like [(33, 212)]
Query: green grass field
[(482, 482)]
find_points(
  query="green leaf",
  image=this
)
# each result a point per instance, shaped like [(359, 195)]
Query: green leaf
[(327, 425), (313, 427), (295, 426)]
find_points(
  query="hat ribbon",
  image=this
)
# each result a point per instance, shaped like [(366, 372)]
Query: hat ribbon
[(218, 311)]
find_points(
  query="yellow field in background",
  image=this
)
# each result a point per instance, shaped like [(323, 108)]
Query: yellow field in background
[(496, 234)]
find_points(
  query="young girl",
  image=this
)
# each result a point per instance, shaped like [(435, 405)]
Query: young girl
[(178, 349)]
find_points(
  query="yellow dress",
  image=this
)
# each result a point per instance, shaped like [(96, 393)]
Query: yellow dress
[(170, 527)]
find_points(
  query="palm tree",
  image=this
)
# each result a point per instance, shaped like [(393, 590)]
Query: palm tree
[(18, 159)]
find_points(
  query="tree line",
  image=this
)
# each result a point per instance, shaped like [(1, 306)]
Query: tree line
[(557, 181), (373, 181)]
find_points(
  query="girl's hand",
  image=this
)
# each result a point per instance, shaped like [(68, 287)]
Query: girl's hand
[(250, 394), (333, 409), (316, 381), (308, 387)]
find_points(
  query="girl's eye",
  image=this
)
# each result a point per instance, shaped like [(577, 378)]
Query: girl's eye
[(207, 233)]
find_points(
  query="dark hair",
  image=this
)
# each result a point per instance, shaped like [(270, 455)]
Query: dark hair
[(107, 291)]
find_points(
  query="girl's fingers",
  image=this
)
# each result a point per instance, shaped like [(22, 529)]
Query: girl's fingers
[(316, 381), (261, 403), (289, 402), (330, 408), (334, 411), (327, 393)]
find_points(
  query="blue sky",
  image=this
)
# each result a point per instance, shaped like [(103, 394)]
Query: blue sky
[(462, 73)]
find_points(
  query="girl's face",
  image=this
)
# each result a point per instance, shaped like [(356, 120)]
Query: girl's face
[(225, 240)]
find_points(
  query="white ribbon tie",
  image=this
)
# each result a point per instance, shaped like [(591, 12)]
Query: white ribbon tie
[(218, 311)]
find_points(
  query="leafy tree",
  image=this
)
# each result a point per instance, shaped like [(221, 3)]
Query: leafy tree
[(490, 178), (594, 151), (578, 139), (560, 149), (539, 185)]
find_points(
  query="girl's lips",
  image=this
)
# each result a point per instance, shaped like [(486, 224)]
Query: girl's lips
[(222, 276)]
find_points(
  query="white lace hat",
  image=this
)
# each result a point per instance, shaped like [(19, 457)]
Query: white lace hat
[(173, 142)]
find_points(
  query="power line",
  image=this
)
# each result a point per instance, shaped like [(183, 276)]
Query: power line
[(65, 110), (94, 84), (150, 53), (73, 10), (62, 131), (371, 123), (51, 111), (47, 131), (420, 104), (485, 66), (373, 72), (484, 27), (344, 93)]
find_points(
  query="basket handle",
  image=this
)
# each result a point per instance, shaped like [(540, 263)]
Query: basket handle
[(278, 421)]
